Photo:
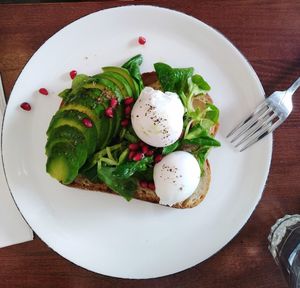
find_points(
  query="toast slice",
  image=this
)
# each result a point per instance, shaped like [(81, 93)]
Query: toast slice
[(149, 195)]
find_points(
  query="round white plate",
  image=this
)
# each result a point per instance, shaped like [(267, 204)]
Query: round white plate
[(103, 232)]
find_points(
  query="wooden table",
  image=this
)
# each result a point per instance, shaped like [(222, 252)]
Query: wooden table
[(268, 34)]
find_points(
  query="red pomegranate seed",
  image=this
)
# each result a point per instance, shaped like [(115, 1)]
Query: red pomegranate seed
[(87, 122), (25, 106), (149, 153), (73, 74), (144, 184), (142, 40), (124, 122), (138, 157), (133, 146), (141, 143), (109, 112), (113, 103), (151, 185), (131, 155), (145, 149), (128, 101), (158, 158), (127, 110), (44, 91)]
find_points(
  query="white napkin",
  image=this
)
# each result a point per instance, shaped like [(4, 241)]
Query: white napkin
[(13, 228)]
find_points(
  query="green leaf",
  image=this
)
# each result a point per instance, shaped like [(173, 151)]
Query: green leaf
[(200, 82), (168, 149), (201, 156), (133, 67), (124, 187), (203, 141), (199, 136), (127, 169), (146, 175), (212, 112), (172, 79)]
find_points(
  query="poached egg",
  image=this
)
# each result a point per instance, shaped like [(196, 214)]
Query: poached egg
[(157, 117), (176, 177)]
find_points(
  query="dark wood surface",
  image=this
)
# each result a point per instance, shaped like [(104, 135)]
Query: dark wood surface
[(268, 34)]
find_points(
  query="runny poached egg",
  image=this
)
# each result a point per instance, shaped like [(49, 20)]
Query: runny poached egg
[(176, 177), (157, 117)]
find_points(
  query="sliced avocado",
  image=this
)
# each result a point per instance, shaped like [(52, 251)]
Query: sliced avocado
[(120, 81), (66, 133), (108, 88), (73, 118), (123, 72), (118, 116), (62, 163)]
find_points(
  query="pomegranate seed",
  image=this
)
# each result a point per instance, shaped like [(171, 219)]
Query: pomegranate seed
[(158, 158), (124, 122), (87, 122), (143, 184), (128, 101), (127, 110), (149, 153), (141, 143), (113, 103), (145, 149), (151, 185), (44, 91), (73, 74), (142, 40), (138, 157), (25, 106), (133, 146), (109, 112), (131, 155)]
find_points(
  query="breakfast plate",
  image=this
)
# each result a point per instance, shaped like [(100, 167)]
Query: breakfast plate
[(103, 232)]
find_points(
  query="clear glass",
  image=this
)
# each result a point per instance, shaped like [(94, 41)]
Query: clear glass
[(284, 244)]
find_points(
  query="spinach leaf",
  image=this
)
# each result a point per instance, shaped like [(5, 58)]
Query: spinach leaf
[(212, 112), (127, 169), (168, 149), (199, 136), (172, 79), (146, 175), (133, 67), (203, 141), (200, 82), (201, 155), (124, 187)]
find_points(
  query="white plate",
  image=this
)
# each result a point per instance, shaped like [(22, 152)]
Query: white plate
[(102, 232)]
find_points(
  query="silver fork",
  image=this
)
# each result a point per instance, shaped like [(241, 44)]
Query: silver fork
[(268, 116)]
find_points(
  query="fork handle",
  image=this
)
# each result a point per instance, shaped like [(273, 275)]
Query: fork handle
[(294, 87)]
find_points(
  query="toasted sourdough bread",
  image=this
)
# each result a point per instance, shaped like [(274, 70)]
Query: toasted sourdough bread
[(148, 195)]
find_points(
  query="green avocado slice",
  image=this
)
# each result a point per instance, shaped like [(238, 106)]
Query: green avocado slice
[(124, 73), (62, 163), (72, 135), (74, 118)]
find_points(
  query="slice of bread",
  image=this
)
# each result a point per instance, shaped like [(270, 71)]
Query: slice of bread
[(149, 195)]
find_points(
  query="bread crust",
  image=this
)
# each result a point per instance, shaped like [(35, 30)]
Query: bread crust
[(149, 195)]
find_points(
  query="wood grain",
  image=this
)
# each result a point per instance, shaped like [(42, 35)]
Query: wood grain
[(268, 34)]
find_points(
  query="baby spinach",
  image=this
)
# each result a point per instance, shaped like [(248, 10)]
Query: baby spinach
[(133, 67), (127, 169), (200, 82), (168, 149), (173, 79), (126, 187)]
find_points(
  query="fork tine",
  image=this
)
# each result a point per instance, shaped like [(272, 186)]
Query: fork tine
[(256, 127), (255, 122), (249, 121), (262, 133)]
